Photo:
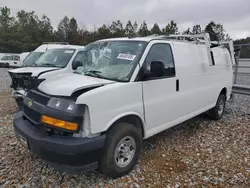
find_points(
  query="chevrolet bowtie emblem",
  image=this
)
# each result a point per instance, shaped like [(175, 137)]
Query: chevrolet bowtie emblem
[(30, 103)]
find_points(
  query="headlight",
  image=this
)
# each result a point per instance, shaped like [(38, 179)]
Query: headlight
[(63, 105)]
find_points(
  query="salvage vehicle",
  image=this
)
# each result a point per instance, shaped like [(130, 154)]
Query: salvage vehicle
[(98, 116), (55, 61), (40, 50)]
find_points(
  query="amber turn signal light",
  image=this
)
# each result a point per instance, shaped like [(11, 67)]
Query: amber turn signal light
[(59, 123)]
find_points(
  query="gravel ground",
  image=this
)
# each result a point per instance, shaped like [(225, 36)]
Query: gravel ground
[(243, 79), (197, 153)]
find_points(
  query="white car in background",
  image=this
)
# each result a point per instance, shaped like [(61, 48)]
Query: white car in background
[(13, 60), (62, 59), (33, 56), (10, 60)]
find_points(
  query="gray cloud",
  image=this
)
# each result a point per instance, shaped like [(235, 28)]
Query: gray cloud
[(233, 14)]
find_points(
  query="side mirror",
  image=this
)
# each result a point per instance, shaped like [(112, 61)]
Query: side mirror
[(76, 64), (157, 69)]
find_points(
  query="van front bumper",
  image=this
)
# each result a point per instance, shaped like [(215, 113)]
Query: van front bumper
[(64, 153)]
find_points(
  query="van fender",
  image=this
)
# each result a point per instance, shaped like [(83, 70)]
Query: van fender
[(115, 119)]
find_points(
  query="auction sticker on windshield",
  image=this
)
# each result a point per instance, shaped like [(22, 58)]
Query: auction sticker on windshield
[(129, 57)]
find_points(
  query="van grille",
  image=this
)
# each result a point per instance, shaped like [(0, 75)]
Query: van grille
[(31, 114), (38, 97)]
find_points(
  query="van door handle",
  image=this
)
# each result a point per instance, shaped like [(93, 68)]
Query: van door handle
[(177, 85)]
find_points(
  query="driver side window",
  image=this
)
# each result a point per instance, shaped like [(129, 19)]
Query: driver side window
[(161, 52)]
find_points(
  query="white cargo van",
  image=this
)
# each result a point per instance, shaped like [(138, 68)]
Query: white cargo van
[(40, 50), (54, 61), (23, 57), (138, 87), (10, 60)]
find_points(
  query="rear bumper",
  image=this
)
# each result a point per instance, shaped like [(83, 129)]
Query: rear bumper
[(61, 152)]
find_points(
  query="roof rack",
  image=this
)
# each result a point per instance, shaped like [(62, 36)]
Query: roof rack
[(203, 38), (65, 43)]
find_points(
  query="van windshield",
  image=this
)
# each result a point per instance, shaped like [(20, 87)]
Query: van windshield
[(112, 60), (31, 58), (55, 58)]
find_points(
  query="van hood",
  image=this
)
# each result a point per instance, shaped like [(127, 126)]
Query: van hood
[(68, 83), (35, 71)]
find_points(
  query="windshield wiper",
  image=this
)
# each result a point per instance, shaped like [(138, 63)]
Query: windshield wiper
[(47, 64), (95, 73)]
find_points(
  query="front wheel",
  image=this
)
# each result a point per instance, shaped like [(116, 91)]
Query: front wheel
[(218, 111), (121, 151)]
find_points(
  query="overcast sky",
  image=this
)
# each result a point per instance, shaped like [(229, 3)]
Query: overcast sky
[(233, 14)]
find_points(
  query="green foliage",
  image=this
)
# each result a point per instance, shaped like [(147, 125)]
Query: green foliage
[(196, 30), (187, 32), (156, 29), (216, 31), (143, 30), (26, 31), (171, 28)]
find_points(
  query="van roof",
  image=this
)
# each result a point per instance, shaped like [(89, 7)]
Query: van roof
[(45, 47), (146, 39)]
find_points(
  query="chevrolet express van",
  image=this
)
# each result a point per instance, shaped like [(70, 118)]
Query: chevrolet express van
[(98, 116)]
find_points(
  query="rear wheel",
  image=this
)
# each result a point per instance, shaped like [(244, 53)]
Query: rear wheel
[(7, 65), (122, 150), (218, 111)]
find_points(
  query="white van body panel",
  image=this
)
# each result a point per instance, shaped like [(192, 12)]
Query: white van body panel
[(112, 102), (157, 102), (200, 86), (71, 82)]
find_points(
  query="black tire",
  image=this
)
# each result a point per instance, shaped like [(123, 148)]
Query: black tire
[(108, 164), (7, 65), (217, 112)]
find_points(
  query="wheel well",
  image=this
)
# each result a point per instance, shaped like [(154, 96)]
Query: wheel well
[(224, 91), (133, 120)]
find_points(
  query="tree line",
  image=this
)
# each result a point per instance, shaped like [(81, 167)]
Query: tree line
[(26, 31)]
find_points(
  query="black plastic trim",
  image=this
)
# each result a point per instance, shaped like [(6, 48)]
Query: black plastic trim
[(212, 57), (177, 85), (51, 112), (62, 150)]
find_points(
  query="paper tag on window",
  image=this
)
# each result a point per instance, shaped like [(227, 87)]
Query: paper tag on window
[(129, 57), (68, 51)]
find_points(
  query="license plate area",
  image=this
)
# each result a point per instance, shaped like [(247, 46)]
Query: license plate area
[(22, 141)]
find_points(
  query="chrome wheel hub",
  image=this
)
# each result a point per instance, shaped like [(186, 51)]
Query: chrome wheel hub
[(125, 151), (221, 107)]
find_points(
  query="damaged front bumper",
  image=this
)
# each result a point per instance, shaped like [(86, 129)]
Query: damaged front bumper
[(64, 153)]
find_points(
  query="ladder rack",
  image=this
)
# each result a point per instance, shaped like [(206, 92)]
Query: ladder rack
[(203, 38)]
